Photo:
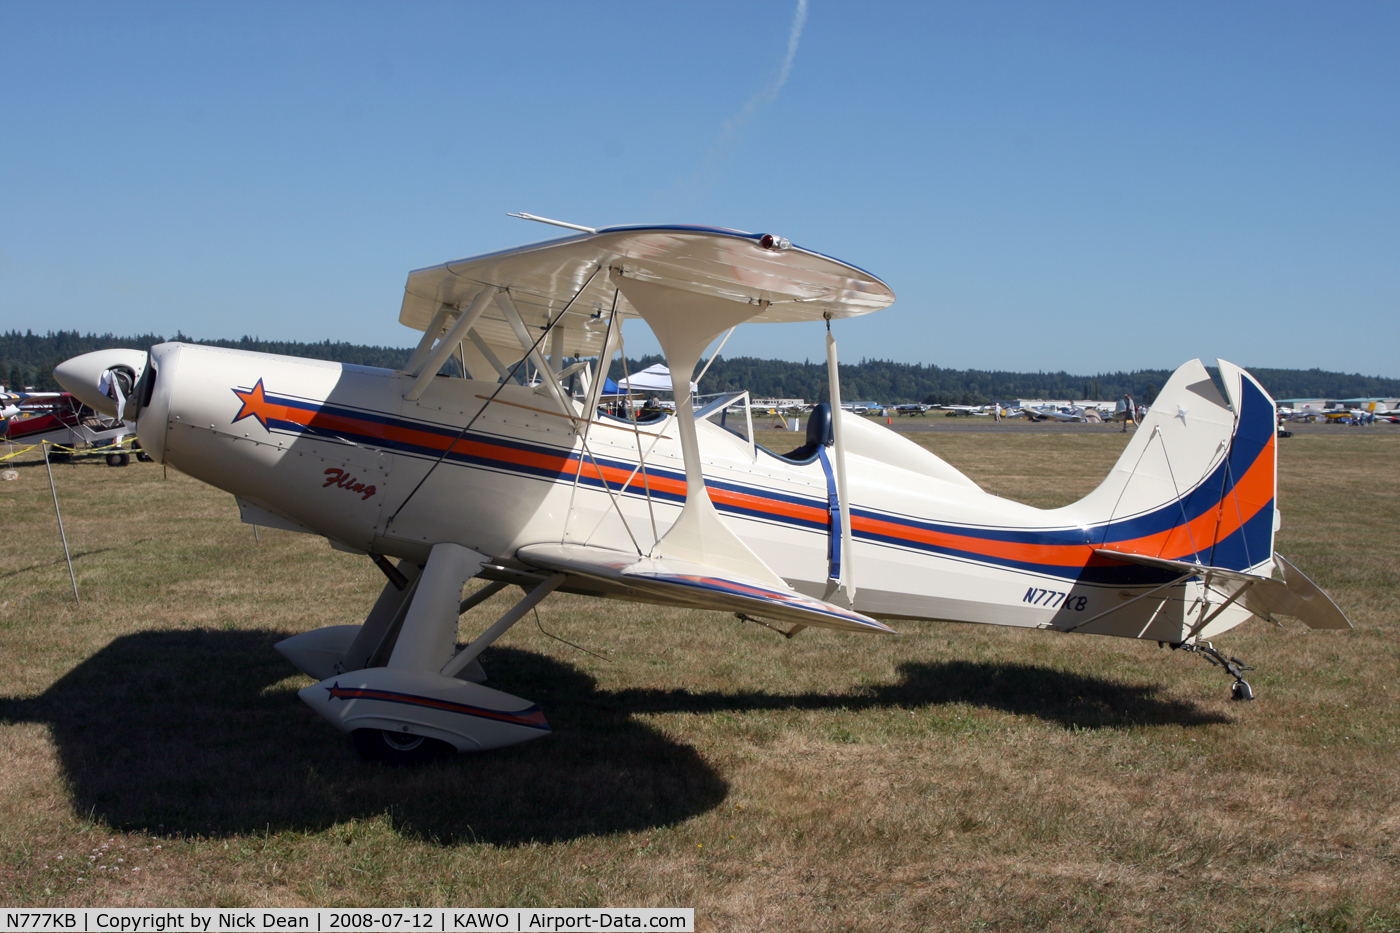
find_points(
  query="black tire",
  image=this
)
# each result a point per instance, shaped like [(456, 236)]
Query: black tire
[(398, 748), (118, 460), (1242, 691), (59, 456), (143, 456)]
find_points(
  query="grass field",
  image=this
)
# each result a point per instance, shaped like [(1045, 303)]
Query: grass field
[(153, 750)]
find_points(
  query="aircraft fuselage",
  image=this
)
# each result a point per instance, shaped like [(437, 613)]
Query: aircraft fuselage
[(336, 450)]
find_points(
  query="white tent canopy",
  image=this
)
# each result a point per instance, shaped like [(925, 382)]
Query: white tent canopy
[(652, 379)]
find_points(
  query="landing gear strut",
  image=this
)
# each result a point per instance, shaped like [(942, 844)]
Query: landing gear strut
[(1240, 689)]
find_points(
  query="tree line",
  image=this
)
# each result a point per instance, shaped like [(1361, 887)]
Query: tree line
[(28, 359), (894, 383)]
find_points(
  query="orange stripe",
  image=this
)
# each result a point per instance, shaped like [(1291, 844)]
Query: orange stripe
[(1254, 490), (1061, 555), (614, 476), (743, 500)]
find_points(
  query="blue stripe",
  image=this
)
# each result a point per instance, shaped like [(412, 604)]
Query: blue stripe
[(833, 519), (1244, 548)]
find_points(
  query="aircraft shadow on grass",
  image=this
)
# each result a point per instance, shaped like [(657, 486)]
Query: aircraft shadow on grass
[(188, 733), (1071, 700)]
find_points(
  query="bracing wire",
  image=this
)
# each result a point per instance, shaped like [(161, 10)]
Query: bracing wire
[(566, 641), (467, 427), (641, 457), (590, 412)]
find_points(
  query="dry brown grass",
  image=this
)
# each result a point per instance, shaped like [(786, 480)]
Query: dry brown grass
[(954, 777)]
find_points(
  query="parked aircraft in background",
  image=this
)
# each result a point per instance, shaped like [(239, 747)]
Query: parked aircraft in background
[(1055, 414), (780, 406), (856, 529), (60, 419), (9, 404), (1339, 414), (961, 410)]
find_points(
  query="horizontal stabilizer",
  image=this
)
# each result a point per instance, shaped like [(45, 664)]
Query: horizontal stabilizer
[(697, 586), (1295, 595), (1181, 566)]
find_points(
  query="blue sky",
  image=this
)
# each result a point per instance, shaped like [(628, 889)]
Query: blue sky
[(1079, 186)]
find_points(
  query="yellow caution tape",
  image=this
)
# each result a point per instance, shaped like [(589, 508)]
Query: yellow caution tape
[(110, 448)]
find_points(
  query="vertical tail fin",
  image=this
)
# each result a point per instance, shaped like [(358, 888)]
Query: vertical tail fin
[(1194, 494), (1196, 483)]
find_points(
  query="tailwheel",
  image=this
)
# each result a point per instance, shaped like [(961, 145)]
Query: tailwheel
[(1240, 689), (399, 748)]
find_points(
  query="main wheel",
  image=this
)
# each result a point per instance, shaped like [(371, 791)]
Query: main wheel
[(399, 748), (118, 460)]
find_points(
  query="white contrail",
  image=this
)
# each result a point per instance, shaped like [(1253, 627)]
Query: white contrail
[(770, 93), (708, 174)]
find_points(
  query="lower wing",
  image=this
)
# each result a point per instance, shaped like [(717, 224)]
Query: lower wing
[(681, 583)]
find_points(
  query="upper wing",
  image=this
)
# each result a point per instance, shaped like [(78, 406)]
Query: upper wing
[(699, 587), (545, 278)]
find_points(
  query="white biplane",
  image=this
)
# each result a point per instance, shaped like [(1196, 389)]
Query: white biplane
[(516, 481), (1051, 413)]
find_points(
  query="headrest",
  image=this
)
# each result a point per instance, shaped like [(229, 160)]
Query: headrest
[(820, 430)]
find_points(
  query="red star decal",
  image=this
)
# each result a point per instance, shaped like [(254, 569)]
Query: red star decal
[(254, 403)]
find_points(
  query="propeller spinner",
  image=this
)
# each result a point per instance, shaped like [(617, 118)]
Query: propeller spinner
[(102, 380)]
